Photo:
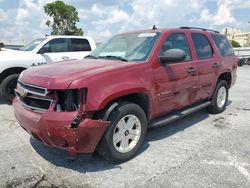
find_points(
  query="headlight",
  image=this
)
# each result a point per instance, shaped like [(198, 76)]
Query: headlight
[(71, 100)]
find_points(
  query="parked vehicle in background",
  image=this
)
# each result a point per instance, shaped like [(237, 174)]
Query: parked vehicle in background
[(243, 55), (107, 101), (38, 52), (1, 46)]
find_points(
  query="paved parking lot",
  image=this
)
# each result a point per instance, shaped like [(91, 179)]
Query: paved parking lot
[(201, 150)]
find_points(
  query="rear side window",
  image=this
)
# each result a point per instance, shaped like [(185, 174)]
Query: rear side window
[(224, 46), (202, 46), (80, 45)]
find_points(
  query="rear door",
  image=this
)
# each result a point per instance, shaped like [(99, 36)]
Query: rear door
[(227, 56), (208, 65), (176, 83), (79, 48)]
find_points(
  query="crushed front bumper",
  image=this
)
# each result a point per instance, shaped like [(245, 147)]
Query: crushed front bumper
[(53, 128)]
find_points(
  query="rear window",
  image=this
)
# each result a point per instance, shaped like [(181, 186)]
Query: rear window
[(80, 45), (223, 44), (202, 46)]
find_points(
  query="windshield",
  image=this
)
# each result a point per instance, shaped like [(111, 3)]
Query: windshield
[(33, 44), (128, 47)]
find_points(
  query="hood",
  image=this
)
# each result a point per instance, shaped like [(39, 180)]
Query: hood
[(60, 75), (7, 55)]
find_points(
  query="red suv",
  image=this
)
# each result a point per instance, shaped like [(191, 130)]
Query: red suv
[(136, 80)]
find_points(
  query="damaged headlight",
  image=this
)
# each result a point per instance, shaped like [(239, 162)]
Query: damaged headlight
[(71, 100)]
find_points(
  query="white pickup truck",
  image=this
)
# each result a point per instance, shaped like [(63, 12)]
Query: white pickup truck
[(38, 52)]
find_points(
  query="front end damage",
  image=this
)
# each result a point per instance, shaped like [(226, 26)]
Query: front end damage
[(58, 118)]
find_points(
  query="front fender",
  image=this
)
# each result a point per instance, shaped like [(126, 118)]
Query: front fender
[(107, 86), (121, 93)]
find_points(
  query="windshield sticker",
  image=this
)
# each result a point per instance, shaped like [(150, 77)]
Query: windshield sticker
[(119, 54), (146, 34)]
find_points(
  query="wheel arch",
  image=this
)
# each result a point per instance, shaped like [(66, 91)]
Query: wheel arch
[(139, 98), (10, 71), (226, 76)]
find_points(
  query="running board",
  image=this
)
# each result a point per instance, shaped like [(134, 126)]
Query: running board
[(163, 120)]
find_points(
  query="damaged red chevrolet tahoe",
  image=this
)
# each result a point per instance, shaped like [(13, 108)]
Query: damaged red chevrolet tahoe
[(135, 80)]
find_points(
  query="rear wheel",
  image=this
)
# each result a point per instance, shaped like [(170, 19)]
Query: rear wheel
[(220, 98), (8, 86), (125, 134)]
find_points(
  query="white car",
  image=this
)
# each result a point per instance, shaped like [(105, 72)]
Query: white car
[(38, 52)]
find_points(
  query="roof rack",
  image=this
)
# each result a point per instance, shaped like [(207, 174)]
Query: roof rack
[(185, 27)]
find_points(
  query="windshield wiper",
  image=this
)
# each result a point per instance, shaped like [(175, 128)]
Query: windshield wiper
[(91, 57), (113, 57)]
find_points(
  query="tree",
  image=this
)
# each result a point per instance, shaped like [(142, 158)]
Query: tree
[(235, 44), (64, 18)]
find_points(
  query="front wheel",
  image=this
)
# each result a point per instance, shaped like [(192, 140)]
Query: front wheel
[(8, 86), (220, 98), (125, 134)]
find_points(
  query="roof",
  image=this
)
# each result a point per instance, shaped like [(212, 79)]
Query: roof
[(66, 36), (162, 30)]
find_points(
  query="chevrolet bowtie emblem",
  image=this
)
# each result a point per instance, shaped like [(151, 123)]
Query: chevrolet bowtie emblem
[(22, 92)]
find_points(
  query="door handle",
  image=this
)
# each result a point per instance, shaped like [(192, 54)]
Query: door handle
[(192, 71), (65, 57), (215, 65)]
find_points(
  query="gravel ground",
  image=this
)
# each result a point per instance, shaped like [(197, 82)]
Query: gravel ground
[(201, 150)]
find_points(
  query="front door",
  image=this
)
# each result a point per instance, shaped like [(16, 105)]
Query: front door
[(176, 83), (54, 50)]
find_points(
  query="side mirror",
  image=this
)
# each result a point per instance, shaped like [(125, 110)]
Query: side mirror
[(172, 55), (43, 50)]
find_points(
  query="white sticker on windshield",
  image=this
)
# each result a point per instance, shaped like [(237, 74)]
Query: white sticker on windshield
[(147, 35), (119, 54)]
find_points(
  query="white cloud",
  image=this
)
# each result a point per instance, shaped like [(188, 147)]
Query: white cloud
[(95, 11), (22, 15), (222, 16), (3, 16), (143, 14), (105, 34), (22, 23), (101, 19), (163, 12), (115, 16)]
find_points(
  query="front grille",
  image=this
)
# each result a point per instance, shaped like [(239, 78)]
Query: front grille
[(32, 89), (33, 97)]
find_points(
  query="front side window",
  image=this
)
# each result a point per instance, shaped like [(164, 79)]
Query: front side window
[(55, 46), (177, 41), (129, 47), (224, 46), (33, 44), (80, 45), (202, 46)]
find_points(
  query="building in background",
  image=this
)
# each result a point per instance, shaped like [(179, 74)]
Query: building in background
[(243, 38)]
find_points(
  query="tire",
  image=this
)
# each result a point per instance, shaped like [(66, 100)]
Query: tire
[(241, 61), (112, 145), (7, 87), (219, 98)]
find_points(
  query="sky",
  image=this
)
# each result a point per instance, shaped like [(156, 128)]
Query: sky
[(25, 19)]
